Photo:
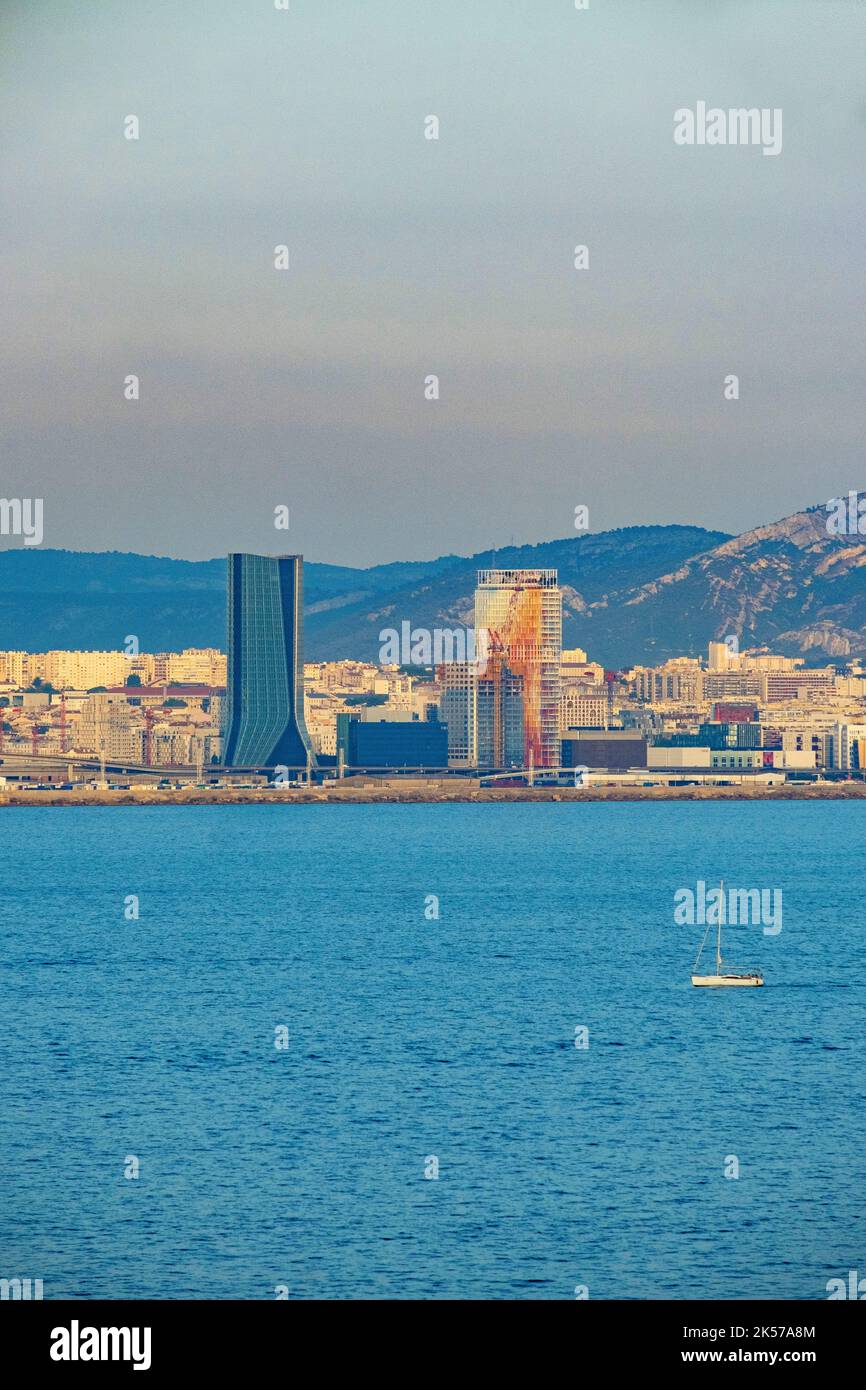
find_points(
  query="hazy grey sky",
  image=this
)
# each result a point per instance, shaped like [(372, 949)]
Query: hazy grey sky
[(410, 257)]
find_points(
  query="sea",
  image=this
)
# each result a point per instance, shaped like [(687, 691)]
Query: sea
[(429, 1052)]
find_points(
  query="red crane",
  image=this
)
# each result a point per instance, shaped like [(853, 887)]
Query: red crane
[(610, 680), (149, 717), (63, 724)]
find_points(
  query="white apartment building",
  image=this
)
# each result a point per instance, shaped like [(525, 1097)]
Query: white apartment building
[(82, 670), (320, 717), (777, 686), (679, 681), (15, 669), (849, 743), (182, 745), (192, 666), (580, 709), (851, 687), (345, 678), (110, 725), (731, 685), (720, 657)]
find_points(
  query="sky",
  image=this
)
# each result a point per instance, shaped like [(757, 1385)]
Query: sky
[(304, 388)]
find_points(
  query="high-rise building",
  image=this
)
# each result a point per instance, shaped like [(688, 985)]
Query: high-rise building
[(500, 720), (483, 713), (458, 691), (15, 668), (265, 687), (109, 724), (521, 612), (848, 742), (721, 657)]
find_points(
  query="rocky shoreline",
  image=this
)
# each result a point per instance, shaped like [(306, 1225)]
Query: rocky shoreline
[(336, 794)]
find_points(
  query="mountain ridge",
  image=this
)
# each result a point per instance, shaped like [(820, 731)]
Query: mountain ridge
[(634, 595)]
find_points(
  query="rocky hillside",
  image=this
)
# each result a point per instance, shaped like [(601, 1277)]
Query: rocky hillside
[(640, 594), (790, 585)]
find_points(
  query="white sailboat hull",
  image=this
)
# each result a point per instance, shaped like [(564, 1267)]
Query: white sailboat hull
[(720, 980)]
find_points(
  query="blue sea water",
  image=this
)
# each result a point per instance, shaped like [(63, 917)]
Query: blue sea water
[(411, 1038)]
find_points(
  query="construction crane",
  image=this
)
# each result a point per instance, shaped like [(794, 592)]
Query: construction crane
[(149, 717), (493, 672), (63, 724), (500, 649), (610, 680)]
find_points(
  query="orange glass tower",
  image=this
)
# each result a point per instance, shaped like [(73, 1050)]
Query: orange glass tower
[(521, 612)]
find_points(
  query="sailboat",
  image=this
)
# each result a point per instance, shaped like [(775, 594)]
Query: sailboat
[(729, 977)]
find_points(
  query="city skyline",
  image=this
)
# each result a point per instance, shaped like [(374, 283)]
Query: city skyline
[(432, 670), (750, 714)]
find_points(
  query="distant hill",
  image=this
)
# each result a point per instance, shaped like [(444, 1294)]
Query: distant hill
[(589, 568), (788, 585), (639, 594)]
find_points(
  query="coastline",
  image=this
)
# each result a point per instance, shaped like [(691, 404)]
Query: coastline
[(332, 795)]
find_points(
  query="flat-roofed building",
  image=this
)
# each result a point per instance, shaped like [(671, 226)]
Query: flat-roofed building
[(382, 745), (679, 681), (847, 741), (787, 685), (676, 758), (458, 710), (611, 749)]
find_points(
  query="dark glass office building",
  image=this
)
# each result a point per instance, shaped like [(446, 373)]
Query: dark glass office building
[(614, 749), (718, 735), (264, 724), (387, 744)]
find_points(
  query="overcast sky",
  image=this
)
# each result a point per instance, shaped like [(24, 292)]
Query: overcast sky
[(410, 257)]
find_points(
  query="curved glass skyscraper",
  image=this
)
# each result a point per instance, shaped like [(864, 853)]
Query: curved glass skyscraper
[(264, 724)]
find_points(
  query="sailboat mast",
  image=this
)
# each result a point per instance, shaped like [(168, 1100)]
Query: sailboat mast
[(719, 929)]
